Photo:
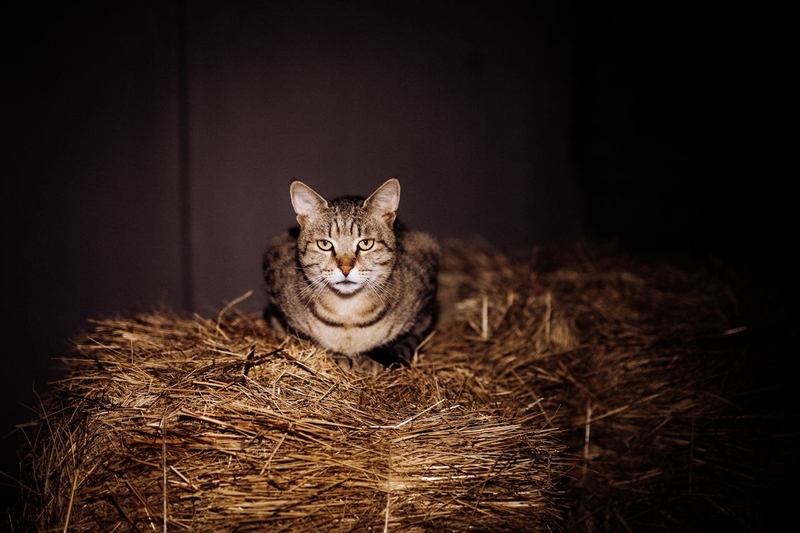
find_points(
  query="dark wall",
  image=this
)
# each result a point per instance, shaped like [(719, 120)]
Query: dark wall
[(468, 104), (91, 189), (148, 148), (680, 123)]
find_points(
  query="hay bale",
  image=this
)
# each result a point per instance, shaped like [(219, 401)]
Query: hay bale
[(585, 392)]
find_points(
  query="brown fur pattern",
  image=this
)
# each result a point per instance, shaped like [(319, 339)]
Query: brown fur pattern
[(351, 278)]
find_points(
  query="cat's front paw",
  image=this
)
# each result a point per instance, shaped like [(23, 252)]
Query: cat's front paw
[(274, 318), (360, 364), (391, 356)]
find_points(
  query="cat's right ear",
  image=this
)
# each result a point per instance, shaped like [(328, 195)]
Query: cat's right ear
[(385, 200), (305, 201)]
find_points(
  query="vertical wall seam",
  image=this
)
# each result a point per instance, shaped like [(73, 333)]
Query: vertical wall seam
[(184, 159)]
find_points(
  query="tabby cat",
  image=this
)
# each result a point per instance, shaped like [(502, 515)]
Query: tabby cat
[(352, 278)]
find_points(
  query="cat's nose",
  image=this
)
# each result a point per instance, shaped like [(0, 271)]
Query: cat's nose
[(346, 269)]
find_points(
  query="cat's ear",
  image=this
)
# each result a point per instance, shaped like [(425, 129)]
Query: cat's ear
[(385, 200), (305, 201)]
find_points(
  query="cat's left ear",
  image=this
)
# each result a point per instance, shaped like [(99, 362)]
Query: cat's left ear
[(385, 200)]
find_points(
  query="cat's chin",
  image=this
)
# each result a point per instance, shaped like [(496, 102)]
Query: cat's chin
[(346, 287)]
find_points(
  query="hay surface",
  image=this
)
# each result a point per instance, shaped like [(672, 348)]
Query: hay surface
[(582, 392)]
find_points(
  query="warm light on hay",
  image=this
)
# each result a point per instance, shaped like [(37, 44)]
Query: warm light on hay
[(579, 392)]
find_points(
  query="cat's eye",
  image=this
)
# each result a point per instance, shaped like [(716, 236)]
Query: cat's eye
[(365, 244), (324, 245)]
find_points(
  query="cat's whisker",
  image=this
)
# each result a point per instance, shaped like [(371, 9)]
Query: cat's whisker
[(369, 284), (384, 290), (377, 288), (314, 296), (317, 284), (314, 290)]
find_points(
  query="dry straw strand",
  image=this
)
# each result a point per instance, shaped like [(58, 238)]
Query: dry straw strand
[(580, 391)]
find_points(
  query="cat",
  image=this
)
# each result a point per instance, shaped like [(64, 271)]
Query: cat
[(352, 278)]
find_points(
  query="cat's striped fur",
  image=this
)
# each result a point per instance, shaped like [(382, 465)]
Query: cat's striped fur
[(351, 278)]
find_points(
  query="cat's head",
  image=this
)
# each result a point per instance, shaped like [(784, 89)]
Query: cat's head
[(349, 243)]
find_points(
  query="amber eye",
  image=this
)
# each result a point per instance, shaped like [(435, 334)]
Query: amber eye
[(324, 245), (365, 244)]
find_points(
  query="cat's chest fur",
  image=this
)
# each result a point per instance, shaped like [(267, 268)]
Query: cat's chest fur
[(353, 324)]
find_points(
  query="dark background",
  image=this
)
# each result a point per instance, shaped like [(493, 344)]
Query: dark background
[(148, 147)]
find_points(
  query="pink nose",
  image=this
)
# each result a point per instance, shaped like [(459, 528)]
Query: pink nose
[(346, 269)]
